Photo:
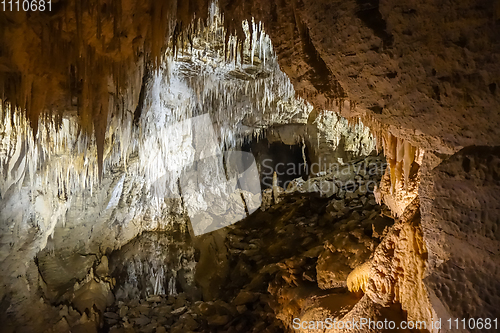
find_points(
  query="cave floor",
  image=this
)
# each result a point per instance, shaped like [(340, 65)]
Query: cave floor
[(289, 261)]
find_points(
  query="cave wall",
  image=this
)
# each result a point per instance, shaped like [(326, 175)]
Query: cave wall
[(460, 217), (427, 71)]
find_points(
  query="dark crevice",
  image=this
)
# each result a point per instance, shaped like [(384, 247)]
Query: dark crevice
[(320, 75), (392, 75), (461, 42), (437, 92), (286, 160), (493, 88), (244, 204), (370, 15), (466, 164), (410, 11), (142, 95), (377, 109)]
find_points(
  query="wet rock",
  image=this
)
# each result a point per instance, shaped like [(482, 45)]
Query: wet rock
[(102, 269), (179, 311), (245, 297), (142, 320), (218, 320)]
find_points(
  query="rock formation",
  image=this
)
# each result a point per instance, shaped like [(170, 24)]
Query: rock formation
[(106, 104)]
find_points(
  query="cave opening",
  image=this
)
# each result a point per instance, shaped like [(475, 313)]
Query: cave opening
[(289, 162)]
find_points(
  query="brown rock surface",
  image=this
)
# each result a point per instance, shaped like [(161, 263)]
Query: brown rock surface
[(427, 72), (460, 210)]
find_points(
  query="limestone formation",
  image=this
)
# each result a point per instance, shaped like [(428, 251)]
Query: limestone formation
[(119, 199)]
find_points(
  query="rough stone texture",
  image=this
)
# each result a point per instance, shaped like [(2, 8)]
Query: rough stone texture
[(426, 71), (356, 231), (154, 263), (328, 138), (364, 308), (261, 275), (398, 267), (460, 210)]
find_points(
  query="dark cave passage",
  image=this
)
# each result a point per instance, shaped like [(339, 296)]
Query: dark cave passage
[(286, 160)]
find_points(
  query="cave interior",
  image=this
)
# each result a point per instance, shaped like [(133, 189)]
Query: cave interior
[(249, 166)]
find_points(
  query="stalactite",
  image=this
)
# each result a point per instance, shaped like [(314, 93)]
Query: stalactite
[(85, 38), (71, 154), (409, 157), (400, 186)]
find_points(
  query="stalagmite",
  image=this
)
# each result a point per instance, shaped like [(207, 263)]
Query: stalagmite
[(275, 188), (358, 279)]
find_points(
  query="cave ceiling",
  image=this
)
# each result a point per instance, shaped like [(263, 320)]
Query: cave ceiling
[(428, 77)]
